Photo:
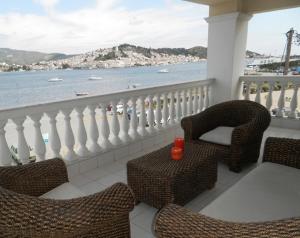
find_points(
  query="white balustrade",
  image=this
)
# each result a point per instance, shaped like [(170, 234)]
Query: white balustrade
[(165, 113), (82, 135), (69, 135), (94, 132), (124, 136), (172, 108), (279, 94), (178, 106), (39, 146), (206, 102), (5, 159), (166, 105), (54, 139), (23, 148), (133, 132), (150, 115), (158, 113), (142, 119), (104, 128)]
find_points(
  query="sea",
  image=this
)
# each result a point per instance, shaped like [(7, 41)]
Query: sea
[(30, 88)]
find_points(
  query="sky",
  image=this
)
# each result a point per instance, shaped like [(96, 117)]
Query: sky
[(77, 26)]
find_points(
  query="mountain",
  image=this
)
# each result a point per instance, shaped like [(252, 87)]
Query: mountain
[(251, 54), (21, 57)]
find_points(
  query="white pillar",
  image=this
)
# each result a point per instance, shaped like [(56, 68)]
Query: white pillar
[(227, 41)]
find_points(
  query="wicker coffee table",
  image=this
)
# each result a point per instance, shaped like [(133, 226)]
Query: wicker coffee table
[(157, 180)]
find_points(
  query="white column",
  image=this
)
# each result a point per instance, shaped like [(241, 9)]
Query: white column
[(247, 93), (190, 103), (82, 136), (5, 156), (294, 102), (258, 92), (23, 148), (125, 123), (178, 106), (158, 114), (201, 99), (184, 106), (133, 121), (54, 139), (281, 101), (115, 126), (94, 132), (227, 40), (165, 112), (104, 128), (269, 101), (69, 135), (150, 115), (172, 108), (39, 145), (142, 119), (195, 101), (207, 99)]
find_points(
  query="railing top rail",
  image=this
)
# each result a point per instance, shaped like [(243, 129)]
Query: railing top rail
[(97, 99), (275, 78)]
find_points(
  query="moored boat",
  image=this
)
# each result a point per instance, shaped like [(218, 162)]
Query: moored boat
[(53, 80)]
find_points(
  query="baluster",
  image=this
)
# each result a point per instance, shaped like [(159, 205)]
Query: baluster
[(195, 105), (142, 118), (281, 101), (258, 92), (5, 155), (94, 132), (125, 123), (201, 99), (294, 102), (247, 93), (104, 129), (115, 126), (184, 104), (23, 148), (172, 109), (150, 115), (178, 106), (165, 113), (69, 136), (133, 121), (206, 103), (54, 139), (190, 104), (82, 136), (158, 114), (39, 145), (269, 101)]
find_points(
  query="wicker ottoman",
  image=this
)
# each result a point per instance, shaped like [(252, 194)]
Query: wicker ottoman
[(157, 180)]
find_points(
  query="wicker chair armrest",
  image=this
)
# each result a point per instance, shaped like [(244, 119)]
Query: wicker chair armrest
[(282, 151), (177, 222), (34, 179), (196, 125), (26, 216)]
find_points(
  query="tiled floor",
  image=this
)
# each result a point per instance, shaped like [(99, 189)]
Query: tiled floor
[(142, 216)]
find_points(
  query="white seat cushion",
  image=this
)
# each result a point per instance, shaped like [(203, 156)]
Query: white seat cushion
[(269, 192), (221, 135), (64, 191)]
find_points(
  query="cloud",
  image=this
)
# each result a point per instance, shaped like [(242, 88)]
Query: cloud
[(108, 23)]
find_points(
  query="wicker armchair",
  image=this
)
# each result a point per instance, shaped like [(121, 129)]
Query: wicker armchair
[(249, 120), (176, 222), (24, 214)]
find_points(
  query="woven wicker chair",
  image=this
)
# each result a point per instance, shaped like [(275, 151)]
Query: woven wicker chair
[(249, 120), (177, 222), (24, 214)]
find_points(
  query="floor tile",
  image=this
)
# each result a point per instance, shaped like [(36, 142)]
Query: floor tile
[(145, 219), (92, 187), (79, 180)]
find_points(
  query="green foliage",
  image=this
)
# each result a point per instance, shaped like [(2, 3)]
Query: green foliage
[(109, 56)]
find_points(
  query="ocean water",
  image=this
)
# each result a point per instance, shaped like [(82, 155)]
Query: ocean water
[(29, 88)]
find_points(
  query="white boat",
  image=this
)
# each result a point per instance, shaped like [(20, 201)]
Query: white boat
[(163, 71), (95, 78), (53, 80), (80, 94)]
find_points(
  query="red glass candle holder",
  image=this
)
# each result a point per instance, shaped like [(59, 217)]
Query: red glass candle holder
[(176, 153), (179, 142)]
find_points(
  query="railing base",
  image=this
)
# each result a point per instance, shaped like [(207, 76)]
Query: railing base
[(287, 123)]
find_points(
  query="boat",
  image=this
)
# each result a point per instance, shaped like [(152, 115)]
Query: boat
[(163, 71), (53, 80), (94, 78), (80, 94)]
